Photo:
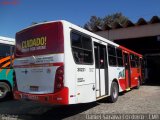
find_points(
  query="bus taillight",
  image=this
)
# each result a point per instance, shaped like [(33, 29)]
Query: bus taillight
[(59, 79)]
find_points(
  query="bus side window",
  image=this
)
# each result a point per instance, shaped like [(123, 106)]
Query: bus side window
[(137, 61), (76, 40), (112, 55), (119, 57), (81, 48), (132, 60)]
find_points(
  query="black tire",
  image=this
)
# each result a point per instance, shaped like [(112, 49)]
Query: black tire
[(114, 92), (139, 84), (5, 91)]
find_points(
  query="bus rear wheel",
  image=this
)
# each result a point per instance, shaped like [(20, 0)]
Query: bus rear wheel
[(4, 91), (114, 92)]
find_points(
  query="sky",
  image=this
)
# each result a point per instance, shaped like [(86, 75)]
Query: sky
[(16, 15)]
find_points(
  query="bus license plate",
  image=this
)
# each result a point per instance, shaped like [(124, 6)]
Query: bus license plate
[(34, 88), (25, 97), (29, 97)]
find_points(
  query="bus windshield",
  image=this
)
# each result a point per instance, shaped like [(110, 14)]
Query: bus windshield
[(40, 39)]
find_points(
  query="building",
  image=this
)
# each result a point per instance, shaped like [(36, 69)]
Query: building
[(142, 37)]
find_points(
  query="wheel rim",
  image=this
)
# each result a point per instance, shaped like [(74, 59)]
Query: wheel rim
[(115, 92), (3, 91)]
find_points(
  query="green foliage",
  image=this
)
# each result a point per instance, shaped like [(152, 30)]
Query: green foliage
[(116, 17), (34, 23), (109, 20)]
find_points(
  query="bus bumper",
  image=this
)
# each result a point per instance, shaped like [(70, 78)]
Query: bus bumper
[(59, 98)]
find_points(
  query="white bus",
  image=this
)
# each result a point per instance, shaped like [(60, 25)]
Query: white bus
[(6, 67), (58, 62)]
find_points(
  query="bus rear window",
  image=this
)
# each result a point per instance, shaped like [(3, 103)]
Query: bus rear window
[(40, 39)]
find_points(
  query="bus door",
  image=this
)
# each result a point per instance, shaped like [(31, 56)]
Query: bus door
[(127, 70), (101, 72)]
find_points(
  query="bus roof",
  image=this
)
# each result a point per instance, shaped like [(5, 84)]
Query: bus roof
[(7, 40), (80, 29), (73, 26)]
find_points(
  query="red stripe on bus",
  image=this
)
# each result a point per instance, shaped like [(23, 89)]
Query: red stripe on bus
[(58, 64), (130, 51), (59, 98), (39, 65)]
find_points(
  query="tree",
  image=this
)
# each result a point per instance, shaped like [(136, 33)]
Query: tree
[(93, 23), (33, 23), (109, 20), (116, 17)]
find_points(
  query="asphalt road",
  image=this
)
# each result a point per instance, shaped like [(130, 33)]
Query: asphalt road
[(146, 100)]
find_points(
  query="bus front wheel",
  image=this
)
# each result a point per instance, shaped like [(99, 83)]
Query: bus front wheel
[(4, 91), (114, 92)]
